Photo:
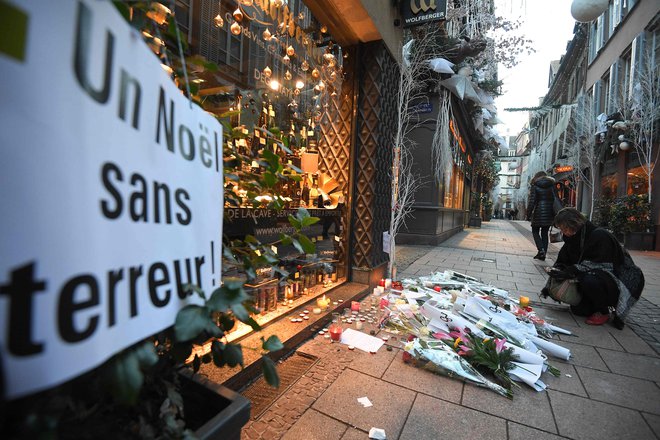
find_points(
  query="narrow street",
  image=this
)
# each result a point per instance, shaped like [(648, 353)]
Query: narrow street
[(609, 388)]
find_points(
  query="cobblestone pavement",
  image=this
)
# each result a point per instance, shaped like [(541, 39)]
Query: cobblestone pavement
[(610, 388)]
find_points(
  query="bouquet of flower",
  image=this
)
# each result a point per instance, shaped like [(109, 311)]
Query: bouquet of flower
[(438, 357)]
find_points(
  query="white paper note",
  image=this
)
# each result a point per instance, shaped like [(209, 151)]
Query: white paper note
[(361, 340)]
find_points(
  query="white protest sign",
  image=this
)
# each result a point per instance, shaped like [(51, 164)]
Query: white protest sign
[(111, 194)]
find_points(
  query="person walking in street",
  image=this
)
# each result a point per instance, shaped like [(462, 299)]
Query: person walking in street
[(607, 278), (540, 211)]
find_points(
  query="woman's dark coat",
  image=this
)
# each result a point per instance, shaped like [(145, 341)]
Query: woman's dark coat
[(602, 255), (541, 199)]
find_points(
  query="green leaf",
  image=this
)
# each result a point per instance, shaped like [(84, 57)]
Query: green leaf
[(146, 354), (126, 378), (270, 372), (306, 243), (190, 322), (273, 343), (270, 179), (192, 288), (298, 246), (293, 221), (308, 221), (217, 349), (254, 324), (240, 312), (233, 355), (223, 298)]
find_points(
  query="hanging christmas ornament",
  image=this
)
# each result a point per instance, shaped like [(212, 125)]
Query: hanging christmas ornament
[(321, 86), (333, 94), (290, 51), (315, 73), (624, 146), (238, 15), (588, 10), (287, 75), (329, 59), (324, 29), (317, 89), (246, 2), (333, 76), (235, 28), (219, 22), (301, 16), (296, 92), (304, 66), (305, 40), (300, 84), (266, 34), (267, 72), (622, 137), (286, 59)]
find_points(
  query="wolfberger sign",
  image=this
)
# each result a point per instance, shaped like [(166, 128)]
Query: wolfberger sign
[(111, 193), (416, 12)]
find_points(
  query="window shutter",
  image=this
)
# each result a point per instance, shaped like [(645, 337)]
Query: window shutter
[(614, 95)]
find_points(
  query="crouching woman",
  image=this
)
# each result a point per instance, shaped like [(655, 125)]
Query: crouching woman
[(607, 278)]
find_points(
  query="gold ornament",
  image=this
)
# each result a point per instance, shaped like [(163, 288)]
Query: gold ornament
[(324, 29), (238, 15), (219, 22), (290, 51), (321, 86), (266, 34), (235, 28), (287, 75), (304, 66), (286, 59), (315, 73), (267, 72)]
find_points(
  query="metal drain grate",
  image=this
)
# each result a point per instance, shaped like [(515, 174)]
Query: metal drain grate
[(290, 370)]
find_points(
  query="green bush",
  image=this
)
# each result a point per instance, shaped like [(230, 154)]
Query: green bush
[(631, 213)]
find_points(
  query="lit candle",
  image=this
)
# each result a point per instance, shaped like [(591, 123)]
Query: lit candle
[(523, 301), (382, 282), (316, 310), (335, 332), (355, 306)]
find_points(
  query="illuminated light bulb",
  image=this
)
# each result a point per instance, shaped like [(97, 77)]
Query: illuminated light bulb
[(304, 66), (267, 72), (300, 84), (238, 15), (315, 73), (324, 29), (235, 28), (274, 84), (219, 22), (287, 75), (330, 59), (290, 51), (266, 34), (286, 59)]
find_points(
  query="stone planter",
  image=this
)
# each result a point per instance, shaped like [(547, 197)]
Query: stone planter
[(213, 411), (639, 241)]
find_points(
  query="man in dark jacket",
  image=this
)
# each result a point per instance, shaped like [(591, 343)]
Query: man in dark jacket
[(540, 210)]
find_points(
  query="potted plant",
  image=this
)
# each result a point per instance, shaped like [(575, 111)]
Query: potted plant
[(630, 220)]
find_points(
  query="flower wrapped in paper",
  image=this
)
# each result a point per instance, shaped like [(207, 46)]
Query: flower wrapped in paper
[(436, 356)]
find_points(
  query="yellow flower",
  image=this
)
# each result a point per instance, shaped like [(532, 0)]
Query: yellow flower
[(456, 342)]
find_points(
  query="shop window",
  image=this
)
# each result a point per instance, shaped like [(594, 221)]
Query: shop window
[(453, 197), (637, 181), (608, 186)]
